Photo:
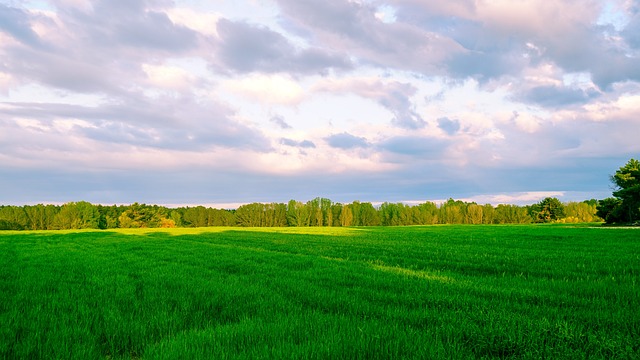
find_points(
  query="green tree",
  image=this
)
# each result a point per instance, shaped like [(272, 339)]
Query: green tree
[(109, 216), (89, 215), (488, 214), (474, 214), (610, 209), (77, 215), (389, 214), (511, 214), (35, 216), (327, 212), (298, 214), (195, 216), (257, 215), (315, 212), (549, 209), (627, 183), (221, 217), (144, 216), (451, 212), (176, 216), (355, 213), (251, 215), (406, 214), (277, 214), (368, 215), (425, 214), (13, 218), (336, 214)]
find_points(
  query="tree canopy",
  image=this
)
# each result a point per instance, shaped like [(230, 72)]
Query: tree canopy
[(549, 209), (625, 206)]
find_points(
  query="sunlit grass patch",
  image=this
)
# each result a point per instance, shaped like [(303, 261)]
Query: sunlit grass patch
[(328, 231), (420, 274)]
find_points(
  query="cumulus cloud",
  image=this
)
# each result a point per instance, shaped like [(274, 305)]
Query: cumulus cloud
[(17, 23), (449, 126), (270, 89), (393, 95), (170, 77), (92, 51), (346, 141), (631, 32), (165, 123), (353, 27), (154, 30), (415, 146), (244, 47), (295, 143), (527, 122), (498, 37), (280, 122), (6, 82), (558, 96), (519, 198), (204, 23)]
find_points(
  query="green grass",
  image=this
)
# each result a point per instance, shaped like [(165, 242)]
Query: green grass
[(455, 292)]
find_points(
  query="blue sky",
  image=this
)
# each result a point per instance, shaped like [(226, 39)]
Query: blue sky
[(228, 102)]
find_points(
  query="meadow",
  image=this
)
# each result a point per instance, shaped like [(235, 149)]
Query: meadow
[(424, 292)]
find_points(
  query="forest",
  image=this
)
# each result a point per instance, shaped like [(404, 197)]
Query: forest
[(316, 212)]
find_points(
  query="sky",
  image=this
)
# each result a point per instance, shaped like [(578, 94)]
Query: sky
[(226, 102)]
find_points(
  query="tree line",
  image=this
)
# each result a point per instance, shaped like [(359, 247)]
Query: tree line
[(316, 212), (622, 208)]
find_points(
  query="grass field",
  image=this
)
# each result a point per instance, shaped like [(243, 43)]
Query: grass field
[(454, 292)]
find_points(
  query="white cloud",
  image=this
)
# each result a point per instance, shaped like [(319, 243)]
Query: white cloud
[(368, 87), (170, 77), (532, 17), (627, 106), (47, 28), (203, 22), (67, 125), (527, 122), (84, 5), (394, 96), (267, 89), (629, 103), (32, 124), (520, 198), (322, 160), (545, 74), (7, 82), (7, 40)]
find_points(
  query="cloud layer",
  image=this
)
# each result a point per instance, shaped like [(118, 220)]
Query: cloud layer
[(166, 101)]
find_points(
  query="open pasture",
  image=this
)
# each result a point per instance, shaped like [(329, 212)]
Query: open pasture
[(313, 293)]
